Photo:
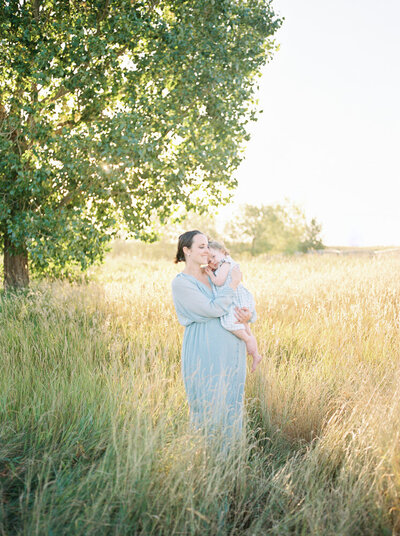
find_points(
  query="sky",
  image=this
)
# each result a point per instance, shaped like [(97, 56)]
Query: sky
[(329, 135)]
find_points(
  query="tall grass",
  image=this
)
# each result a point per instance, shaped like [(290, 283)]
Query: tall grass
[(94, 431)]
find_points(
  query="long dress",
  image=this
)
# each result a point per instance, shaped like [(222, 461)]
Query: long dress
[(213, 359)]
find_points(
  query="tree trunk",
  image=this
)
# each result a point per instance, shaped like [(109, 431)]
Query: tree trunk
[(16, 274), (253, 247)]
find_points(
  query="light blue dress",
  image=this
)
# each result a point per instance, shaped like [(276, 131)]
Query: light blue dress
[(213, 359)]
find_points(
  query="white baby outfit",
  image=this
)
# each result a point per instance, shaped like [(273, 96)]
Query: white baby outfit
[(243, 298)]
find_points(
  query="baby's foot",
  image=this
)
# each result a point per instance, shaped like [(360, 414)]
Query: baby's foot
[(256, 359)]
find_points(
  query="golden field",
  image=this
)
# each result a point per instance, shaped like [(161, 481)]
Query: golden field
[(95, 437)]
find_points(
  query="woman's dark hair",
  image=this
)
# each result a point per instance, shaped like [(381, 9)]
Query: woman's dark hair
[(185, 240)]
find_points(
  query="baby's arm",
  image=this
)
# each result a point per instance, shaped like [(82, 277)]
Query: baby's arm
[(223, 272)]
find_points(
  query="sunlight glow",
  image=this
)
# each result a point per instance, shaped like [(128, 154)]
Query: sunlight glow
[(328, 137)]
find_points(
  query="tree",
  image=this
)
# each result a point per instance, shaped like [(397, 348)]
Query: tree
[(272, 228), (312, 238), (252, 225), (167, 237), (118, 112), (205, 223)]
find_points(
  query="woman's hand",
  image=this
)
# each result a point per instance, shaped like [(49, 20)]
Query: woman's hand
[(243, 315), (236, 277)]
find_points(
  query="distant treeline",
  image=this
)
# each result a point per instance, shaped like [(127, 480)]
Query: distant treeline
[(252, 230)]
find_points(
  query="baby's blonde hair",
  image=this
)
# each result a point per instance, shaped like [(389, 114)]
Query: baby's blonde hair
[(218, 245)]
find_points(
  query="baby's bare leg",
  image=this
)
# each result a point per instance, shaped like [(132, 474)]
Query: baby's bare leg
[(251, 345)]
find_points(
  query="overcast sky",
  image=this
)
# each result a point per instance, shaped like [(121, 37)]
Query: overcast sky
[(329, 136)]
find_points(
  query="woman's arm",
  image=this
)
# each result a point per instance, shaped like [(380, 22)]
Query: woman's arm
[(220, 278), (192, 305), (244, 315)]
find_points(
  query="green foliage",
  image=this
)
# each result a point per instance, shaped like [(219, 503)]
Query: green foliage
[(164, 248), (312, 239), (205, 223), (251, 230), (115, 113), (272, 228)]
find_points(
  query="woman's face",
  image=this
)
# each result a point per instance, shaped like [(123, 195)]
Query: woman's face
[(214, 257), (198, 252)]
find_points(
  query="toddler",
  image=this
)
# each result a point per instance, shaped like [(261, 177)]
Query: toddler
[(219, 270)]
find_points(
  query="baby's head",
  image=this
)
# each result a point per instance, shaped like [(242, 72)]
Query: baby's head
[(217, 252)]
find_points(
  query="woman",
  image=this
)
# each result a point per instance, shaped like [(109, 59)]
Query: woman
[(213, 359)]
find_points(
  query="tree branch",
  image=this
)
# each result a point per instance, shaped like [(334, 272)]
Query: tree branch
[(67, 198), (60, 93), (35, 8), (103, 14)]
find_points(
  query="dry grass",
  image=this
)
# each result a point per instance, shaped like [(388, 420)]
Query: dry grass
[(94, 436)]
